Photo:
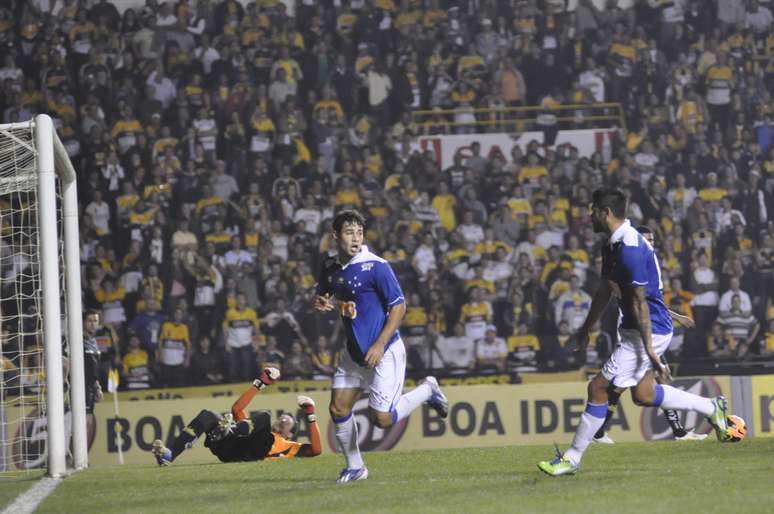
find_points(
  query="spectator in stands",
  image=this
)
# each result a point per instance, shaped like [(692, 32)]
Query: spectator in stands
[(720, 345), (726, 299), (476, 314), (297, 363), (146, 325), (523, 347), (491, 352), (572, 306), (136, 365), (269, 354), (240, 330), (739, 325), (307, 113), (704, 284), (455, 353), (206, 364), (324, 358), (174, 353), (767, 342)]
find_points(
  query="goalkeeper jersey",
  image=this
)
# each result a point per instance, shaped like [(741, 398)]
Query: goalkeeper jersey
[(260, 443)]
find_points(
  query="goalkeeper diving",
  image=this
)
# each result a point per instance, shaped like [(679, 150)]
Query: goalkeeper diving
[(237, 437)]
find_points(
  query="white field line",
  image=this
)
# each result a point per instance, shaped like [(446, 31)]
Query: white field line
[(28, 501)]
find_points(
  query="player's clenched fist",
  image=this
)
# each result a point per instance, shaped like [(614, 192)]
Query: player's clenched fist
[(307, 405), (323, 303), (374, 355), (268, 377)]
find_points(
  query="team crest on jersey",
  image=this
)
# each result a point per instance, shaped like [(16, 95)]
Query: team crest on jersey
[(367, 266)]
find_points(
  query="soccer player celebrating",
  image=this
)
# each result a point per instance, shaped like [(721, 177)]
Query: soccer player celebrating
[(630, 270), (236, 437), (672, 416), (371, 304)]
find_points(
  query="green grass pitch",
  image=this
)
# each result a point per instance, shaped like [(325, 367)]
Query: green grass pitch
[(668, 477), (13, 484)]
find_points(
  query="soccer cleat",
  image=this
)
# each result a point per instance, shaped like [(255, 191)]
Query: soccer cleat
[(352, 475), (559, 466), (438, 400), (718, 419), (605, 439), (691, 436), (162, 453)]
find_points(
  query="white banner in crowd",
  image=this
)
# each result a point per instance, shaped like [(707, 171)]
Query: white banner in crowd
[(445, 147)]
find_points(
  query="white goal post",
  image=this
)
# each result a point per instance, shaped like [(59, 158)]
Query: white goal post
[(47, 176)]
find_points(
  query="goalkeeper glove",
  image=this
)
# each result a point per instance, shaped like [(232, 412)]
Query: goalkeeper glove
[(307, 405), (268, 377)]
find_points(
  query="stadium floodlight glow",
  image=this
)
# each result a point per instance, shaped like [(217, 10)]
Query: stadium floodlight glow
[(39, 242)]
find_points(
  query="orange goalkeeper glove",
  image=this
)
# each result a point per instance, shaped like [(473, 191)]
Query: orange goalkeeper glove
[(307, 405), (268, 377)]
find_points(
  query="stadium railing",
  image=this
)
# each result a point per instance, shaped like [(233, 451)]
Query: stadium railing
[(533, 117)]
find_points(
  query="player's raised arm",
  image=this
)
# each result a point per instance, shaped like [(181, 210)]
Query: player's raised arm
[(314, 448), (268, 377)]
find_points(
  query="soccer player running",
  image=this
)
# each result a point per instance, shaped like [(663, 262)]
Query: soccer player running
[(672, 416), (236, 437), (630, 270), (371, 304)]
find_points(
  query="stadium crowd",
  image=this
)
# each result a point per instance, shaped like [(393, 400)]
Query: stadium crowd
[(214, 140)]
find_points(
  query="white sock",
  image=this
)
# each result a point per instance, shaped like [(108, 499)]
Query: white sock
[(346, 435), (674, 398), (591, 421), (410, 401)]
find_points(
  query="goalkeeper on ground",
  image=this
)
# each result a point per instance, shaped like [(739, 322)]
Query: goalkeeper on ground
[(236, 437)]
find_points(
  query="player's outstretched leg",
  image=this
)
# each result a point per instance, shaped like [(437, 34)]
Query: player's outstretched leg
[(427, 390), (591, 421), (204, 422), (438, 400), (715, 409)]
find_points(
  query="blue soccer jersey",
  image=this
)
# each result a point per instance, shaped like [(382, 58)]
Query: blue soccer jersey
[(366, 288), (629, 261)]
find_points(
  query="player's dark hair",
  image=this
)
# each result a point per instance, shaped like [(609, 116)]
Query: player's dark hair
[(613, 199), (92, 312), (350, 216), (644, 229)]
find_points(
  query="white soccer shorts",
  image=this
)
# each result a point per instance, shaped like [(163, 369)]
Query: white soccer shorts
[(384, 382), (628, 363)]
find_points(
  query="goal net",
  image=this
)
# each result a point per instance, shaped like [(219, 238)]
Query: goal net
[(39, 303)]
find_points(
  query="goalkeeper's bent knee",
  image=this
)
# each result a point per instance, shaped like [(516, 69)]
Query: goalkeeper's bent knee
[(205, 421)]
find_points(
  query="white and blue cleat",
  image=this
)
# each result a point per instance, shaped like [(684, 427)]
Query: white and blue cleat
[(162, 453), (352, 475), (438, 400)]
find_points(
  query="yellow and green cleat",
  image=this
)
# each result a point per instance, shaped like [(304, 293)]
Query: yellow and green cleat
[(559, 466), (718, 419)]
